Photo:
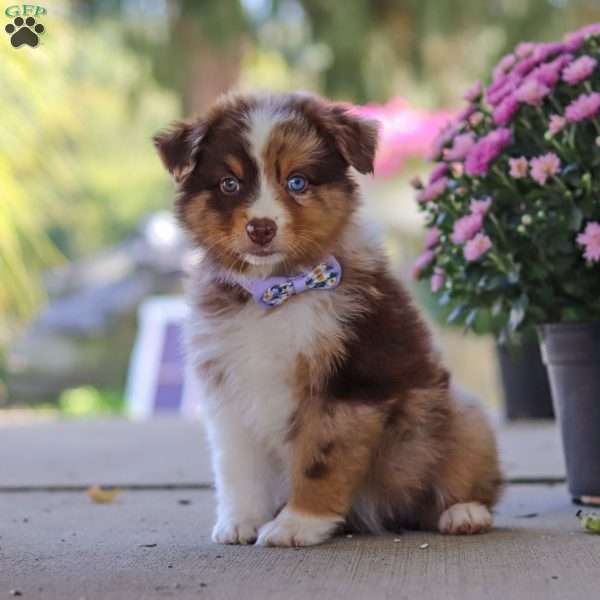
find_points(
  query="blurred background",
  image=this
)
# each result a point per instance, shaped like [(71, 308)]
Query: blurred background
[(86, 235)]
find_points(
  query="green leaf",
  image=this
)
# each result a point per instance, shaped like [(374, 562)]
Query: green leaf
[(517, 312), (514, 275), (574, 313), (469, 320), (456, 312), (574, 288), (444, 299), (496, 282), (576, 219), (537, 270), (497, 307), (586, 182)]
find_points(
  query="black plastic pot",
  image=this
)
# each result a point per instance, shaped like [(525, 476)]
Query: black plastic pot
[(571, 352), (525, 383)]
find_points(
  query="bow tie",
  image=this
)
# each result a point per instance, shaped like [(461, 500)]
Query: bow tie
[(273, 291)]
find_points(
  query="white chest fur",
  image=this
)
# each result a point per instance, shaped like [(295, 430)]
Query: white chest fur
[(256, 351)]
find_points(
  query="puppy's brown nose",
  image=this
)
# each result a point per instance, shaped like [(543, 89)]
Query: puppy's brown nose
[(261, 231)]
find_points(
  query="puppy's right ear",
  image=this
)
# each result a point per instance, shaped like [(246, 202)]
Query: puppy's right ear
[(178, 147)]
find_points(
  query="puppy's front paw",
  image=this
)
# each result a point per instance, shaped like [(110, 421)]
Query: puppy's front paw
[(229, 531), (291, 528), (465, 518)]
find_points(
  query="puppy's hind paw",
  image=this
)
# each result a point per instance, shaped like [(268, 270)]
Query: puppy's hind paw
[(465, 518), (291, 529)]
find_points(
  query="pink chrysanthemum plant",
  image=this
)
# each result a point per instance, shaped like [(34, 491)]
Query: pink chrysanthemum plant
[(513, 201)]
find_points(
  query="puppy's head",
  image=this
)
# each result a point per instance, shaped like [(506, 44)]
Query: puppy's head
[(266, 181)]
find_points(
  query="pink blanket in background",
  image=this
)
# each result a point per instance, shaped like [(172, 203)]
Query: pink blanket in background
[(406, 132)]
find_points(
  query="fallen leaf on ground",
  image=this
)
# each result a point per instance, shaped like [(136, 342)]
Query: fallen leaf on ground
[(589, 521), (101, 496)]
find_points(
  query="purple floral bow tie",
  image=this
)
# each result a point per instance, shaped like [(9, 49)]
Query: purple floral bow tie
[(273, 291)]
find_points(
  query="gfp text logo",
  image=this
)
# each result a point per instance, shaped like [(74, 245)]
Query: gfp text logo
[(24, 30)]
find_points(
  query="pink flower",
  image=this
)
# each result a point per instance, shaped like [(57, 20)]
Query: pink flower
[(432, 238), (557, 123), (433, 190), (438, 171), (525, 49), (532, 92), (480, 207), (502, 88), (476, 118), (486, 150), (563, 60), (474, 249), (579, 70), (444, 136), (574, 41), (465, 113), (518, 167), (590, 30), (506, 110), (466, 227), (474, 92), (460, 147), (506, 62), (457, 169), (583, 107), (548, 74), (544, 166), (422, 263), (525, 66), (437, 280), (497, 84), (546, 50), (590, 238)]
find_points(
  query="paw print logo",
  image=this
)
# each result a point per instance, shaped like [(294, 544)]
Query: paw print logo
[(24, 31)]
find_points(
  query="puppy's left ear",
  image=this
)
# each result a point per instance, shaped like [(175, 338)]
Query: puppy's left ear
[(178, 147), (356, 137)]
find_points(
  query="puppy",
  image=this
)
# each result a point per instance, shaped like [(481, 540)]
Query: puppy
[(325, 403)]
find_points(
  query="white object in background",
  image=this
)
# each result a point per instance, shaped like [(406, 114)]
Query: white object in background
[(160, 382)]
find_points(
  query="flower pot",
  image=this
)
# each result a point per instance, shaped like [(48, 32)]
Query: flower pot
[(525, 385), (571, 352)]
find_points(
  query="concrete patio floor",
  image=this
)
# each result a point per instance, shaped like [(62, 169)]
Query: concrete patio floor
[(153, 541)]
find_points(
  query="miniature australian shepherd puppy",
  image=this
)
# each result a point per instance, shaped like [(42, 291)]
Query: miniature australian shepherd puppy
[(325, 403)]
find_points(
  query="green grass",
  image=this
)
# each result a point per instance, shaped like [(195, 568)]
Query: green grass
[(87, 401)]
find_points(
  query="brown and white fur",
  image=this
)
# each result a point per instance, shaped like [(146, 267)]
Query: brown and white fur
[(332, 407)]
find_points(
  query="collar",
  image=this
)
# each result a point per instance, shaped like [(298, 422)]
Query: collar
[(273, 291)]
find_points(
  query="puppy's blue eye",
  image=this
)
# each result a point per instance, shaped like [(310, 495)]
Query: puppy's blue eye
[(229, 185), (297, 184)]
